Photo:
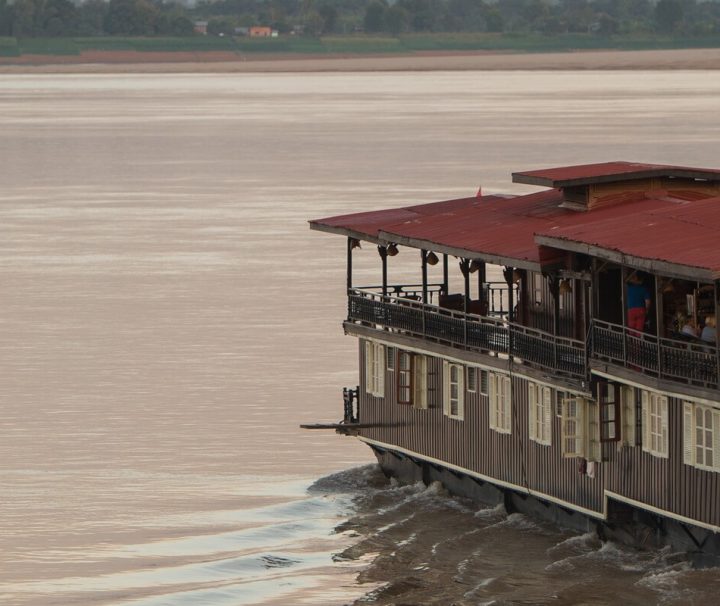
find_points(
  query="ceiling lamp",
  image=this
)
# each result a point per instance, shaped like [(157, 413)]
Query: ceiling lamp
[(392, 250), (432, 258)]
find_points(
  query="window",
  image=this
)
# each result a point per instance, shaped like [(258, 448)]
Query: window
[(540, 413), (500, 409), (471, 383), (655, 424), (608, 396), (484, 382), (420, 382), (538, 284), (374, 369), (701, 436), (405, 378), (580, 432), (391, 358), (453, 390), (629, 416)]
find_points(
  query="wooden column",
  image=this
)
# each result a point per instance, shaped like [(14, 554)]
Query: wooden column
[(658, 321), (481, 281), (465, 269), (624, 312), (349, 262), (508, 273), (423, 262), (717, 317), (446, 279), (554, 286), (382, 251)]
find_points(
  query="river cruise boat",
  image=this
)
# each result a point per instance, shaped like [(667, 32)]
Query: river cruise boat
[(575, 372)]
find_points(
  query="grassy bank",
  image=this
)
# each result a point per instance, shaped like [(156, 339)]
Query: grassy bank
[(355, 44)]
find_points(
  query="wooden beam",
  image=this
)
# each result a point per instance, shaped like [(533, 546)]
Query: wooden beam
[(446, 277), (382, 251), (349, 263), (423, 263)]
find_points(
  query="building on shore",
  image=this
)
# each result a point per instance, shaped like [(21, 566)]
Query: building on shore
[(575, 373)]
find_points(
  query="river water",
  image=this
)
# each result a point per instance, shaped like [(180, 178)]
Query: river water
[(168, 320)]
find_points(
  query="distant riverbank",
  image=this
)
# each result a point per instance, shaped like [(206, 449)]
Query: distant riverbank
[(225, 62)]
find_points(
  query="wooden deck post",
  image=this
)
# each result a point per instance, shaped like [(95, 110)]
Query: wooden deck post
[(382, 251), (446, 280), (481, 282), (465, 269), (349, 263), (554, 285), (624, 313), (717, 317), (508, 273), (659, 321), (423, 263)]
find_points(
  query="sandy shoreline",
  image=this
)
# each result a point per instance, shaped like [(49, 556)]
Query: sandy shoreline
[(130, 62)]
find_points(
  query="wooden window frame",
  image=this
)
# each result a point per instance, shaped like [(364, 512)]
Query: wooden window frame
[(420, 386), (500, 403), (610, 409), (448, 368), (405, 374), (471, 385), (375, 369), (391, 354), (692, 412), (655, 425), (540, 413), (484, 386)]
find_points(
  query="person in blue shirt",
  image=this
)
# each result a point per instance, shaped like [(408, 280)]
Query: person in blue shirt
[(637, 302)]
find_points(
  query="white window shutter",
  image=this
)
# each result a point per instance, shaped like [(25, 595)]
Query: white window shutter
[(629, 412), (645, 421), (380, 361), (446, 387), (547, 415), (507, 406), (532, 404), (369, 370), (664, 425), (688, 433), (461, 392), (493, 399), (716, 439)]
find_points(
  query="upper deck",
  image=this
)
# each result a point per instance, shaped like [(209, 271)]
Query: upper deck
[(568, 256)]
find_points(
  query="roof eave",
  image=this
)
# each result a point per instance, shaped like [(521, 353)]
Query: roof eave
[(655, 266), (616, 178), (455, 251), (344, 231)]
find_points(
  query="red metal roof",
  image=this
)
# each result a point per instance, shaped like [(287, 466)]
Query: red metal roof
[(680, 227), (684, 232), (366, 225), (585, 174)]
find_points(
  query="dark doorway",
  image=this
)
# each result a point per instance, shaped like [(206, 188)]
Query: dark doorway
[(610, 295)]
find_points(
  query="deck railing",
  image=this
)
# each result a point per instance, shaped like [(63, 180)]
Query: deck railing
[(482, 334), (689, 362)]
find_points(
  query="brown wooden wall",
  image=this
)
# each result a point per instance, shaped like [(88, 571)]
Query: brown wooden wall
[(666, 484), (471, 443)]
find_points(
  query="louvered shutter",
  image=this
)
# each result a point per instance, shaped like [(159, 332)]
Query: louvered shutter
[(446, 387), (369, 369), (688, 434), (629, 412), (645, 421), (532, 409), (506, 403), (461, 392), (380, 362), (664, 425), (547, 415), (493, 399)]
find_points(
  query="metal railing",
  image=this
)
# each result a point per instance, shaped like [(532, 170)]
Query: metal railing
[(690, 362), (482, 334), (409, 291), (351, 405)]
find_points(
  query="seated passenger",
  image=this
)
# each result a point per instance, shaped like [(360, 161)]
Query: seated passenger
[(709, 333), (689, 329)]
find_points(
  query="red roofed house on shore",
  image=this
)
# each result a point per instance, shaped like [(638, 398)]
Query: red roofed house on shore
[(583, 382)]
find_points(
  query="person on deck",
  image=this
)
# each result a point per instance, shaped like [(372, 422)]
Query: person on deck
[(709, 333), (638, 303)]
